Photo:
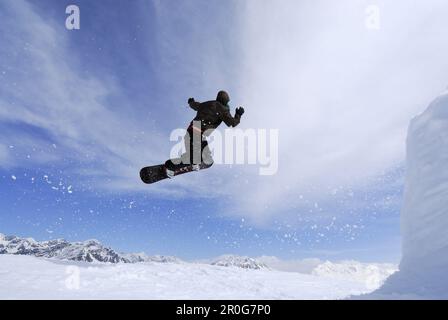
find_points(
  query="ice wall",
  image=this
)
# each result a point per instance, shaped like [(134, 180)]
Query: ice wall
[(424, 217)]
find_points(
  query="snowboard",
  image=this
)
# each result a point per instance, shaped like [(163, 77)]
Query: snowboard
[(157, 173), (153, 174)]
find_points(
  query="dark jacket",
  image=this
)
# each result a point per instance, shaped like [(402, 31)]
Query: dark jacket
[(212, 113)]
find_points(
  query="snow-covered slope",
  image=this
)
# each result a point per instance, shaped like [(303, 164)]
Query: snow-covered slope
[(238, 261), (424, 216), (306, 265), (26, 272), (28, 277), (372, 274), (87, 251)]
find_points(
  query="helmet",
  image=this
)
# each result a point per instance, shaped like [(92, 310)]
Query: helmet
[(223, 97)]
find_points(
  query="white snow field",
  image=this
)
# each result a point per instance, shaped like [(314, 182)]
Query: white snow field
[(28, 277), (424, 216)]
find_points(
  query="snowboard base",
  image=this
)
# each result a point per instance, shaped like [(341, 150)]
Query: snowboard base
[(157, 173), (153, 174)]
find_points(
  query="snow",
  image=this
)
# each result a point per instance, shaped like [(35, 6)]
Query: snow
[(59, 269), (28, 277), (424, 216), (372, 274), (297, 265)]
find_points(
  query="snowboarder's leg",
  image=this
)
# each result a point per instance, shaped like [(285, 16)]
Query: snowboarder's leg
[(201, 156), (184, 162), (207, 159), (197, 156)]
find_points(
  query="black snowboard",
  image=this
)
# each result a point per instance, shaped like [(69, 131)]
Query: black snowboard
[(156, 173), (153, 174)]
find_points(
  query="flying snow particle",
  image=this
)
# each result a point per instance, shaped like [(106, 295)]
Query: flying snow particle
[(13, 177)]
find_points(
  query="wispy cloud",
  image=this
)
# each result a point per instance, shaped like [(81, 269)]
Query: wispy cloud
[(44, 88), (341, 95), (88, 115)]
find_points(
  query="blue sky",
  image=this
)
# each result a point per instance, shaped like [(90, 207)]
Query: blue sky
[(82, 111)]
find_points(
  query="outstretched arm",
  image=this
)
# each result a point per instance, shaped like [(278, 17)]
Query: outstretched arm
[(232, 121), (193, 104)]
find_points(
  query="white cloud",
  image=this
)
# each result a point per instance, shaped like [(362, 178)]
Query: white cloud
[(342, 95), (48, 91)]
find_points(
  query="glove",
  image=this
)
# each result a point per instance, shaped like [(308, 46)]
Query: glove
[(239, 111), (190, 101)]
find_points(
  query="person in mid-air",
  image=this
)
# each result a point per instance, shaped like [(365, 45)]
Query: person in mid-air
[(209, 116)]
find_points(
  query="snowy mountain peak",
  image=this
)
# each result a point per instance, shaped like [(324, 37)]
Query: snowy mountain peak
[(239, 261), (90, 251), (87, 251), (3, 240), (92, 242)]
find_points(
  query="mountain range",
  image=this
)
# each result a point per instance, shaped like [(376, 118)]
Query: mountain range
[(86, 251), (94, 251)]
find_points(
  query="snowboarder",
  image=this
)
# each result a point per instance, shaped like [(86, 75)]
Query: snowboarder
[(209, 116)]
